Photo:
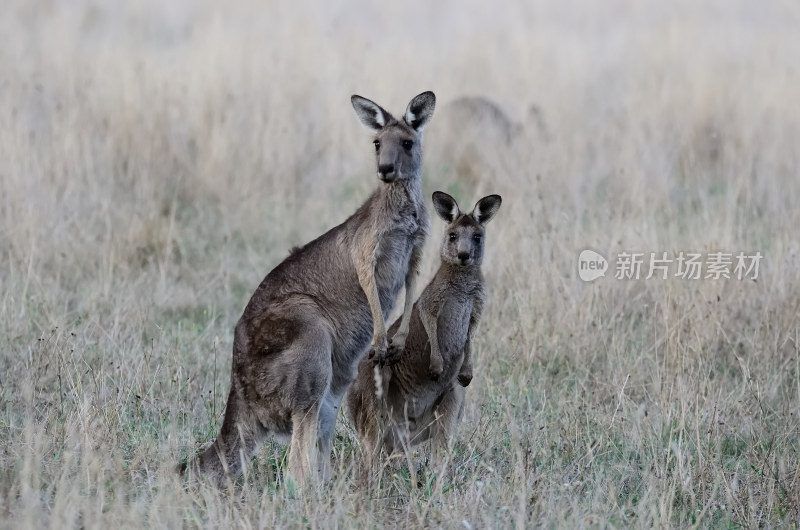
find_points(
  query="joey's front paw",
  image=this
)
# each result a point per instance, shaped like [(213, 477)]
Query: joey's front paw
[(465, 379)]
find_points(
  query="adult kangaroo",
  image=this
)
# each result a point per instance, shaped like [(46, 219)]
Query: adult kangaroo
[(297, 345)]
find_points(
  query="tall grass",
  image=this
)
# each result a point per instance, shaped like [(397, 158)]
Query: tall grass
[(157, 159)]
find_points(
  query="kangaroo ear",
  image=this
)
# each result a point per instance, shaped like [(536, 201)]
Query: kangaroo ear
[(445, 206), (420, 110), (370, 113), (486, 208)]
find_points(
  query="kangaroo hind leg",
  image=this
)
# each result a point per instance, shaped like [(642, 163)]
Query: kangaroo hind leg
[(447, 413), (309, 363)]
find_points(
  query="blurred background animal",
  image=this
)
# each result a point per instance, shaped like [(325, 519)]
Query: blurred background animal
[(476, 144)]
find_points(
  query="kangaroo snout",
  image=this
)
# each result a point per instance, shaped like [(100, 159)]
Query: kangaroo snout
[(463, 257), (386, 172)]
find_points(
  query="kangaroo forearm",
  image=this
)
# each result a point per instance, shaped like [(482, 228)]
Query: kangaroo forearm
[(466, 363), (366, 277), (429, 322), (467, 360), (409, 304), (411, 287), (379, 326)]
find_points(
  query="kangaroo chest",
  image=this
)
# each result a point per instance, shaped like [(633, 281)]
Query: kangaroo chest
[(451, 330), (393, 254)]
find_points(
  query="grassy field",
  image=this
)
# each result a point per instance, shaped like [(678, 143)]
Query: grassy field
[(158, 159)]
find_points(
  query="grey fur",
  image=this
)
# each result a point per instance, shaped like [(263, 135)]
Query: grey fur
[(298, 343), (420, 394)]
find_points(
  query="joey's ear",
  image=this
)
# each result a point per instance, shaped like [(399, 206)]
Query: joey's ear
[(486, 208), (420, 110), (370, 113), (445, 206)]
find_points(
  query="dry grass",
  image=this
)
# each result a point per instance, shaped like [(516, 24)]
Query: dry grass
[(156, 162)]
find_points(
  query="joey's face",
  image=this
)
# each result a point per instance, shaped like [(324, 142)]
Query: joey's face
[(463, 237), (463, 242), (398, 152)]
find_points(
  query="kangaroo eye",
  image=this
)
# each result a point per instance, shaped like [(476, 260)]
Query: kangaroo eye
[(407, 144), (377, 144), (453, 236), (477, 238)]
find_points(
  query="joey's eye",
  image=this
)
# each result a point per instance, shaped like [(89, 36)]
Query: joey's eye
[(377, 144), (476, 238), (407, 144), (453, 236)]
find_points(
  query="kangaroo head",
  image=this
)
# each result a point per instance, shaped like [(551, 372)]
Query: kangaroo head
[(398, 143), (463, 237)]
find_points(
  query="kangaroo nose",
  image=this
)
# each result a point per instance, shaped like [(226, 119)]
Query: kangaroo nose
[(463, 256), (386, 169)]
